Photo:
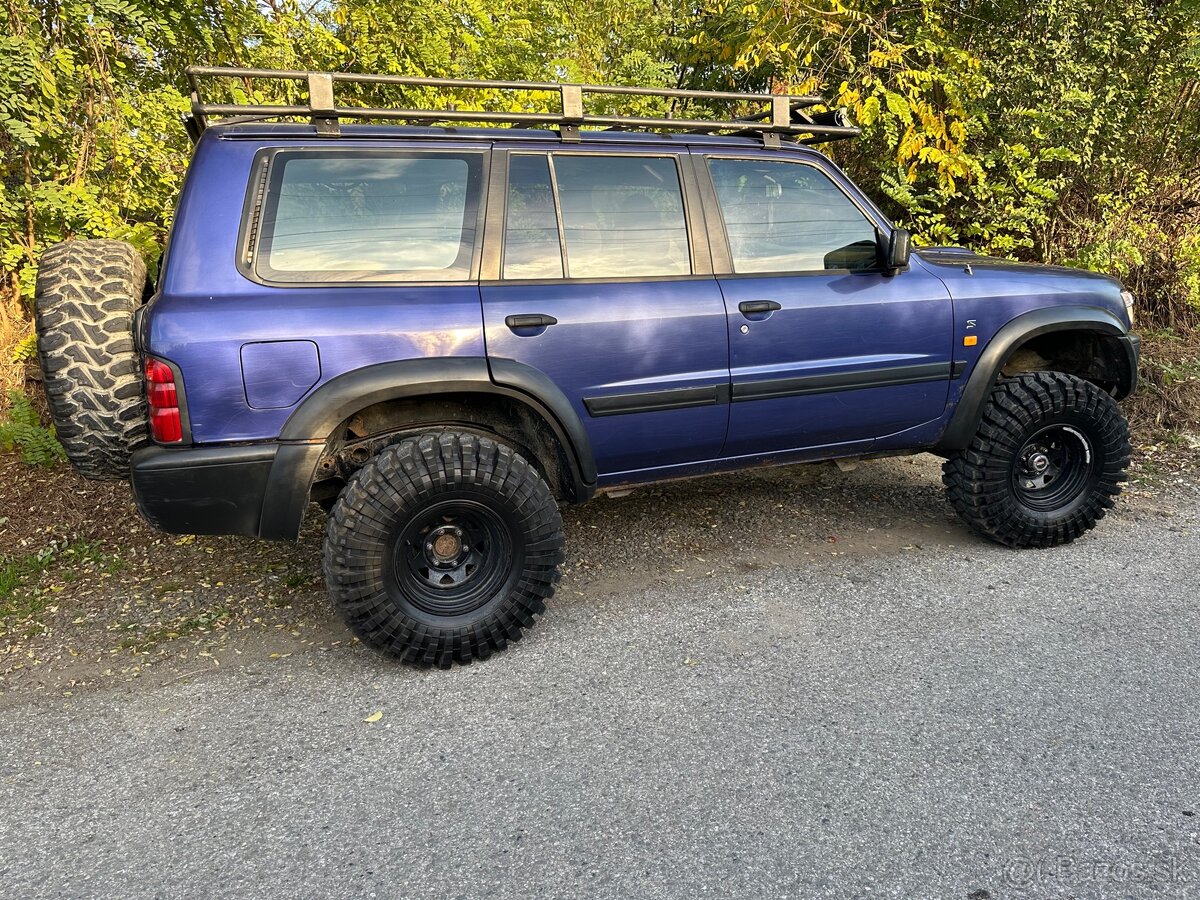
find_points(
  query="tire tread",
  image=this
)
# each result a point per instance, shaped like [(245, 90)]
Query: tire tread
[(86, 295), (977, 480), (373, 503)]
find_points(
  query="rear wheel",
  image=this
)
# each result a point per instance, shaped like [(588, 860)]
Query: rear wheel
[(1046, 464), (443, 548), (86, 295)]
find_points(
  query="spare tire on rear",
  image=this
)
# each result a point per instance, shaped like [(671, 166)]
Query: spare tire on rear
[(86, 295)]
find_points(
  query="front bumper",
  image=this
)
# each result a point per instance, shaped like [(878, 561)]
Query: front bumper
[(203, 490)]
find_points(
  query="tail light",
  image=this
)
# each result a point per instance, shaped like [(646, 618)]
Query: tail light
[(166, 424)]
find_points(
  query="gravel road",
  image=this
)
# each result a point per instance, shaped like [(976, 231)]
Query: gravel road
[(830, 695)]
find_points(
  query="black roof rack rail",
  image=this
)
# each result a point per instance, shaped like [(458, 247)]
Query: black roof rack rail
[(784, 115)]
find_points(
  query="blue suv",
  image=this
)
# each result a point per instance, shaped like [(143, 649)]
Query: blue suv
[(439, 333)]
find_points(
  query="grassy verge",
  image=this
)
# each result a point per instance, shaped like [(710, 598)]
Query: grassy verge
[(30, 582), (1164, 413)]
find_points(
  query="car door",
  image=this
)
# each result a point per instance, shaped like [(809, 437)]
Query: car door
[(598, 282), (826, 349)]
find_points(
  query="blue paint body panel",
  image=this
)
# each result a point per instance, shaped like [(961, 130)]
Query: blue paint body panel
[(614, 339), (277, 374), (250, 352), (206, 309), (832, 325), (997, 291)]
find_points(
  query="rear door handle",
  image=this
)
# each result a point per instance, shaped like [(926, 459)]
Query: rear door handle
[(749, 307), (530, 320)]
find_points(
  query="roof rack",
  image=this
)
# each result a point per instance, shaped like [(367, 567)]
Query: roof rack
[(785, 114)]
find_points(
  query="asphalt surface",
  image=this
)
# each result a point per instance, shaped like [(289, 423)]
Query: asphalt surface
[(912, 713)]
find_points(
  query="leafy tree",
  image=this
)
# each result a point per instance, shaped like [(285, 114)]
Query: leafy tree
[(1058, 132), (1066, 131)]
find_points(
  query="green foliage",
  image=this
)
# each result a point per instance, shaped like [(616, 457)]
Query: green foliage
[(25, 350), (1178, 373), (1065, 131), (24, 430), (91, 93), (24, 593)]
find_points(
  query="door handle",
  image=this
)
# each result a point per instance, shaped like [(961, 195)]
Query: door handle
[(749, 307), (530, 320)]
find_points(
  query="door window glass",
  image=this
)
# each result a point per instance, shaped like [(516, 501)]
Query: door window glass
[(622, 216), (531, 247), (789, 217)]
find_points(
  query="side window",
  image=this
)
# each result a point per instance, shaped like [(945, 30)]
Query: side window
[(789, 217), (618, 217), (621, 216), (369, 217), (531, 247)]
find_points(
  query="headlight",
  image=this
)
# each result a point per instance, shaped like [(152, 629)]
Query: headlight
[(1128, 298)]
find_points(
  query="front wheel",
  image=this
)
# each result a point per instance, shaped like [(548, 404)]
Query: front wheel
[(443, 548), (1046, 464)]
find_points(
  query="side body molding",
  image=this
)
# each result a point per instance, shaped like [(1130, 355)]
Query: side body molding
[(969, 412), (304, 435)]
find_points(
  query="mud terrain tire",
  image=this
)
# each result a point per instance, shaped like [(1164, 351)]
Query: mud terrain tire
[(86, 295), (443, 549), (1046, 463)]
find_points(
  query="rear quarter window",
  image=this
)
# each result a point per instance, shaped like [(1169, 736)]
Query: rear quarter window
[(368, 217)]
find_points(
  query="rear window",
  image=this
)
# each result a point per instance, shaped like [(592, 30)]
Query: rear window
[(388, 217), (622, 216), (594, 216)]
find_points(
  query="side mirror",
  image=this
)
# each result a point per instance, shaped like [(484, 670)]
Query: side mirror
[(895, 249)]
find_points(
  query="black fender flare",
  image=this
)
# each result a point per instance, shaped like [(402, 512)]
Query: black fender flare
[(307, 430), (964, 422)]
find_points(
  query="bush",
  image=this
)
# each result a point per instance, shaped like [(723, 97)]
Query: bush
[(24, 431)]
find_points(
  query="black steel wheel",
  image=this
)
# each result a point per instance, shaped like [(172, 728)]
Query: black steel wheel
[(452, 557), (1053, 468), (443, 548), (1046, 464)]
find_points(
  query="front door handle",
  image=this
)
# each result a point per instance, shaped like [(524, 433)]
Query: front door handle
[(530, 320), (749, 307)]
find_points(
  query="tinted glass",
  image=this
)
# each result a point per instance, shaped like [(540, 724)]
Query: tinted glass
[(622, 216), (789, 217), (531, 248), (364, 217)]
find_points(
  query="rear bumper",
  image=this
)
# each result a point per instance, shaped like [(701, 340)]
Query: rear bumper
[(205, 490)]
